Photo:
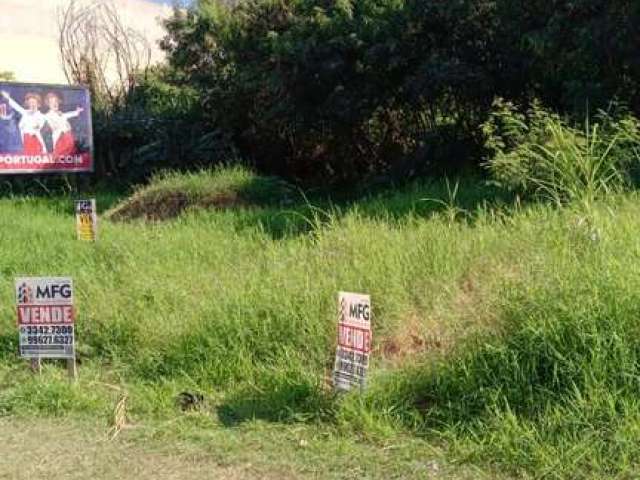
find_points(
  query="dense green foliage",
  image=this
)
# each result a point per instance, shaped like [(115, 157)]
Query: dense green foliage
[(321, 90), (316, 89), (156, 126)]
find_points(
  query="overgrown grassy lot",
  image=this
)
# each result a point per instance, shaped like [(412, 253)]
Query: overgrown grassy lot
[(506, 334)]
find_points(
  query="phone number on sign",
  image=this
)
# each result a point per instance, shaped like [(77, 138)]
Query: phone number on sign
[(50, 340), (48, 330)]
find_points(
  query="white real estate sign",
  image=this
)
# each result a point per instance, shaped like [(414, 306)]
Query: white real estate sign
[(354, 341), (46, 317)]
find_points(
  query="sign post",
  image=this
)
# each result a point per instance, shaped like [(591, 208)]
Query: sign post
[(46, 320), (354, 341), (86, 220)]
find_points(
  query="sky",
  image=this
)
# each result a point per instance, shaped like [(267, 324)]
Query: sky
[(28, 42)]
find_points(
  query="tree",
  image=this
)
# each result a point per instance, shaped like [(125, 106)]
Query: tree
[(100, 51)]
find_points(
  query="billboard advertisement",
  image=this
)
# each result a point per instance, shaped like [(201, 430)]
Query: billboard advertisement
[(45, 129)]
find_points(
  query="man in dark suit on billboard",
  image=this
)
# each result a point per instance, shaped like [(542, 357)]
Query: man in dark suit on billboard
[(10, 137)]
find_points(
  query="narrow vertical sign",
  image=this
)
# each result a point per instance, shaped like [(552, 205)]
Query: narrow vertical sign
[(354, 341), (46, 317), (86, 220)]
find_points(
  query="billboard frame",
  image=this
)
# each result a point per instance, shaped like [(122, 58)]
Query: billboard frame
[(84, 88)]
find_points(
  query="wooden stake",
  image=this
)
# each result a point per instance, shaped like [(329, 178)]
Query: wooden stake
[(36, 365), (71, 368)]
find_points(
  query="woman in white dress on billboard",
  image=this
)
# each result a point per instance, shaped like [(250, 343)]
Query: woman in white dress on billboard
[(64, 143), (31, 122)]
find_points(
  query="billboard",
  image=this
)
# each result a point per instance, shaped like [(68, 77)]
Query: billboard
[(354, 341), (46, 317), (45, 129)]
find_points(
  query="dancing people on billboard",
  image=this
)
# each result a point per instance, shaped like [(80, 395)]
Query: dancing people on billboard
[(31, 122), (64, 143)]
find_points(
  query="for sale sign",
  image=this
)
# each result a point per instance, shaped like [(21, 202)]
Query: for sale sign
[(45, 128), (46, 317), (86, 220), (354, 341)]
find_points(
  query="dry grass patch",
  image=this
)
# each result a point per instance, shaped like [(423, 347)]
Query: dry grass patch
[(469, 306), (64, 451)]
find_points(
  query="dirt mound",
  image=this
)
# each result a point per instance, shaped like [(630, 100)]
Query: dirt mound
[(170, 194), (165, 205)]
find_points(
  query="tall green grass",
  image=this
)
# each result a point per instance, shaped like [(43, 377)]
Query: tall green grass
[(508, 333)]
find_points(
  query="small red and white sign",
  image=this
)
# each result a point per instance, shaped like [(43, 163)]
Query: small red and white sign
[(46, 317), (354, 341)]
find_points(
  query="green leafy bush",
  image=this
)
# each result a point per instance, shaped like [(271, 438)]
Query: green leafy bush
[(536, 152), (158, 126)]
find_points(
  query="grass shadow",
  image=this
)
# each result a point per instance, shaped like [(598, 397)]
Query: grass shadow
[(284, 401), (305, 212)]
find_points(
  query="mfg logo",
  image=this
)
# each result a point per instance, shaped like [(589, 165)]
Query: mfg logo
[(359, 311), (354, 310), (84, 207), (53, 291), (25, 294), (41, 292)]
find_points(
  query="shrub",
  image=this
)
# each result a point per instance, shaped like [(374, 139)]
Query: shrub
[(158, 126), (536, 152)]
